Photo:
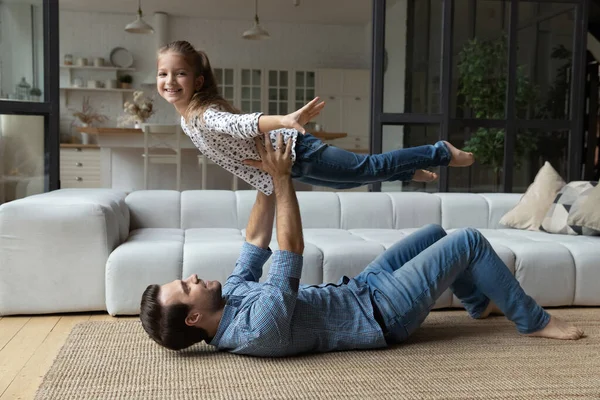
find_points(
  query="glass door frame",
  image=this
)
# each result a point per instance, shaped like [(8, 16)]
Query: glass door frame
[(50, 107), (511, 124)]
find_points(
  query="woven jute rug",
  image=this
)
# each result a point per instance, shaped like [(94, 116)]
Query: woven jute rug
[(450, 357)]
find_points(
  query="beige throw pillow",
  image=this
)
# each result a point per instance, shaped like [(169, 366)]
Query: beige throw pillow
[(588, 212), (533, 206)]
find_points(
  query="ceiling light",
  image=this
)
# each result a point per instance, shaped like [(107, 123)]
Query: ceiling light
[(257, 32), (139, 25)]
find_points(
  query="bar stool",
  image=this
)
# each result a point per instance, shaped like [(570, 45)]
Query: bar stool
[(162, 145), (204, 162)]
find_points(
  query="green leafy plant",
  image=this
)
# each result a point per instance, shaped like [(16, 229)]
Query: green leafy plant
[(483, 68), (126, 78), (554, 107)]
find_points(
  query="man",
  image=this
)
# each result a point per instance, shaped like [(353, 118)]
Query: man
[(383, 305)]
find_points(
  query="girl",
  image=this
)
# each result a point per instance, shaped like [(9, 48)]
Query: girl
[(185, 79)]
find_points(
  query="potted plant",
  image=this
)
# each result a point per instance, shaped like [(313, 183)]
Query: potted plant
[(125, 81), (483, 69), (138, 110), (35, 94), (87, 116)]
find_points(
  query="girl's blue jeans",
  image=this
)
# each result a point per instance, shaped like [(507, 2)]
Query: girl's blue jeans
[(406, 280), (319, 164)]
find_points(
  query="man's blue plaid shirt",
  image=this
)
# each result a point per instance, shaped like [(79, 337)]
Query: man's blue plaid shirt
[(280, 317)]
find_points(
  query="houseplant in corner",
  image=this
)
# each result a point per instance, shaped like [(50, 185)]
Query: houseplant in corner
[(483, 68)]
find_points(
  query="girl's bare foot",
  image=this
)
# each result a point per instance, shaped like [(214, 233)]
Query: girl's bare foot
[(422, 175), (459, 158), (557, 329)]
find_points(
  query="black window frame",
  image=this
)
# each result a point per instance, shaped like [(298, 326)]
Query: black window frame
[(575, 124)]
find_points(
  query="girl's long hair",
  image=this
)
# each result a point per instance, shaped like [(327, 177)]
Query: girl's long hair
[(208, 95)]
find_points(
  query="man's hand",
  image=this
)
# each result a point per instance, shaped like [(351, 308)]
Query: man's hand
[(276, 162), (302, 116)]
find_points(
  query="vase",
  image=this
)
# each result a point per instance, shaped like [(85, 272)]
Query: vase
[(137, 125)]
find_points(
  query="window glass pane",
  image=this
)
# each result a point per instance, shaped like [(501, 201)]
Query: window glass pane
[(218, 75), (485, 176), (21, 156), (412, 62), (21, 50), (229, 76), (310, 94), (545, 56), (272, 94), (245, 93), (404, 136), (283, 108), (283, 94), (246, 106), (534, 148), (299, 78), (229, 93), (300, 94), (310, 79), (272, 107), (256, 93), (480, 63), (272, 78), (283, 78), (246, 77), (256, 106), (256, 77)]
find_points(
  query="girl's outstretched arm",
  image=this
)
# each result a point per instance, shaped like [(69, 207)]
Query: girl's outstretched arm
[(245, 126)]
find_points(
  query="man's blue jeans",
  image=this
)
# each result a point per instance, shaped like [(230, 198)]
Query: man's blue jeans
[(407, 279), (322, 165)]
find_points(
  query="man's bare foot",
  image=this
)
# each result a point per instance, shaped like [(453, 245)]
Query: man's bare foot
[(459, 158), (422, 175), (557, 329)]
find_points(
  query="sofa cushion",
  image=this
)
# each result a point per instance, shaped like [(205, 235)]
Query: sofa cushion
[(585, 212), (461, 210), (319, 210), (209, 209), (154, 209), (149, 256), (498, 205), (413, 209), (568, 199), (54, 247), (536, 201)]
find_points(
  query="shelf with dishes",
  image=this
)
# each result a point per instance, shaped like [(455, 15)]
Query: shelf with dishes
[(98, 74), (98, 89), (93, 67), (67, 90)]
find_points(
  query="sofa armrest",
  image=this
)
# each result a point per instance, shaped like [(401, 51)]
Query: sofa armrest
[(54, 247)]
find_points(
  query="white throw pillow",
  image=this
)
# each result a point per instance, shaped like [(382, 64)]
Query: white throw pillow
[(533, 206)]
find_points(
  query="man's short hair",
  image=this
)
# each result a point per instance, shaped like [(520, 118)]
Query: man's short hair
[(166, 325)]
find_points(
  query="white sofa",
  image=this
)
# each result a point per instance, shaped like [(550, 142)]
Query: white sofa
[(97, 249)]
